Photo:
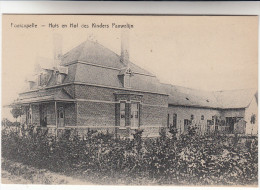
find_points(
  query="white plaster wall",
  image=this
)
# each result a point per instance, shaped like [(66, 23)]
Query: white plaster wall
[(251, 109), (186, 112), (233, 113)]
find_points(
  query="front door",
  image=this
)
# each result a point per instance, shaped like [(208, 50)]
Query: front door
[(61, 117), (43, 115), (134, 115)]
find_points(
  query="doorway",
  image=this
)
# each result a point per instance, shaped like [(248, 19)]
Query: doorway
[(230, 121), (61, 117)]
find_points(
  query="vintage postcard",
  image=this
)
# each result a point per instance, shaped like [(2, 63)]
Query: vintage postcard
[(130, 100)]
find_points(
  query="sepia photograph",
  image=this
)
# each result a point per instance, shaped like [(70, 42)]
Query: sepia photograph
[(129, 100)]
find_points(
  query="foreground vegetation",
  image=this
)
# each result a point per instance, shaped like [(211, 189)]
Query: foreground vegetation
[(102, 159)]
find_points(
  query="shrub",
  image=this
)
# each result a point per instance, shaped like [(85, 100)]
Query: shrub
[(100, 158)]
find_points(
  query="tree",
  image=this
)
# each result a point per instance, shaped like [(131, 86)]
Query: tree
[(6, 122), (17, 112)]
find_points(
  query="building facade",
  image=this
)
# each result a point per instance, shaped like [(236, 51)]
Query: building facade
[(91, 87), (233, 111)]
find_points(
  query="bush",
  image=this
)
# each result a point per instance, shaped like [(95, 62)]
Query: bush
[(102, 159)]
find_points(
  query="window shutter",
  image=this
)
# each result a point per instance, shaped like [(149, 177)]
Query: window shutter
[(117, 114), (140, 115), (127, 114)]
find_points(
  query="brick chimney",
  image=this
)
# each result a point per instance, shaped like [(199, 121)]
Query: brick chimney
[(57, 49), (125, 47)]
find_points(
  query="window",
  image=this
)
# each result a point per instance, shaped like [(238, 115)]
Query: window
[(186, 124), (253, 118), (29, 115), (134, 114), (168, 120), (227, 121), (127, 114), (191, 117), (208, 125), (174, 121), (202, 117), (122, 113), (42, 79)]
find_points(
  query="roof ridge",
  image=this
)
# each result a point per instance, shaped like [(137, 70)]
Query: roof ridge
[(235, 90), (119, 57), (173, 85), (210, 91), (73, 49)]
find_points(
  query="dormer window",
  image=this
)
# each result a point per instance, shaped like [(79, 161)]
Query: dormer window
[(59, 78), (43, 79), (127, 81), (125, 77), (60, 73)]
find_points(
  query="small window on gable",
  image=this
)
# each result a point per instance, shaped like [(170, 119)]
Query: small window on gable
[(127, 81), (59, 78), (191, 117), (202, 117)]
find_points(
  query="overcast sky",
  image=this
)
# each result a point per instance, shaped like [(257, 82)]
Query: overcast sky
[(203, 52)]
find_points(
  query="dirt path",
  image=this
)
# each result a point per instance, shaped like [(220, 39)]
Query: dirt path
[(8, 178), (16, 173)]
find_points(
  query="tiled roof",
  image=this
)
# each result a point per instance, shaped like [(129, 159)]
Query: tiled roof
[(235, 98), (108, 77), (95, 53), (44, 95), (98, 65), (182, 96)]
